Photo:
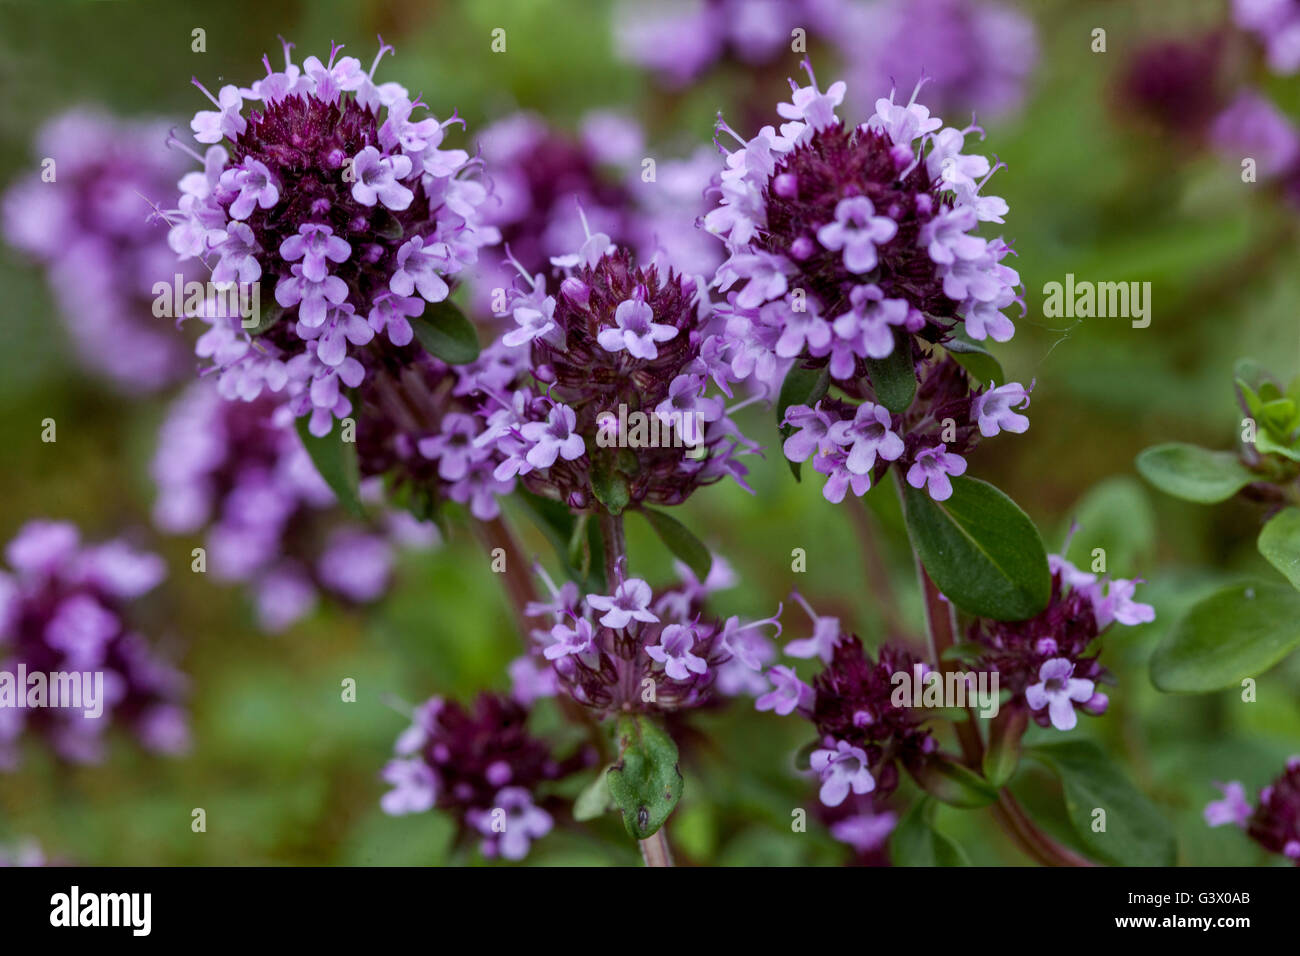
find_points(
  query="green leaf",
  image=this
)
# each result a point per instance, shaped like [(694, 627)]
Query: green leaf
[(915, 842), (645, 784), (336, 461), (978, 362), (1135, 834), (268, 315), (894, 377), (594, 799), (680, 541), (952, 783), (1235, 633), (445, 333), (1279, 543), (982, 551), (609, 485), (1193, 473)]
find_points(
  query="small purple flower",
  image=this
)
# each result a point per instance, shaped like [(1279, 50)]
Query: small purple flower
[(1058, 691), (1233, 808), (453, 447), (637, 331), (788, 693), (316, 245), (821, 643), (512, 825), (867, 435), (567, 641), (812, 432), (553, 438), (415, 787), (1118, 605), (674, 652), (857, 230), (210, 126), (933, 466), (629, 602), (842, 769), (995, 409), (420, 269), (256, 188), (378, 179)]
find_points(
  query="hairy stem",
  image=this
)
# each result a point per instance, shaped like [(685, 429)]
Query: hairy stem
[(655, 851)]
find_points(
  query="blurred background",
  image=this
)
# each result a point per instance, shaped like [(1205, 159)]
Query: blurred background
[(1111, 175)]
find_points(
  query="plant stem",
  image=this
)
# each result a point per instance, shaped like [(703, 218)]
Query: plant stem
[(654, 850)]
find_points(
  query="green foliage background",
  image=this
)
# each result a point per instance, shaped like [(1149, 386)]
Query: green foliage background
[(289, 774)]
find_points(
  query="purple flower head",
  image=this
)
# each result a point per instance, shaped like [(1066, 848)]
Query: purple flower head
[(65, 607), (621, 359), (107, 262), (481, 765), (238, 472), (1275, 824), (858, 723), (350, 216), (1049, 662)]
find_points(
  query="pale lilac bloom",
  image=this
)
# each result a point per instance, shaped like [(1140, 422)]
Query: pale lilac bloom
[(788, 693), (812, 432), (415, 787), (511, 826), (865, 832), (629, 602), (821, 643), (570, 641), (842, 769), (256, 187), (995, 409), (421, 268), (317, 246), (1059, 692), (868, 435), (637, 331), (1118, 605), (1233, 808), (378, 179), (932, 467), (674, 652), (857, 230), (554, 438)]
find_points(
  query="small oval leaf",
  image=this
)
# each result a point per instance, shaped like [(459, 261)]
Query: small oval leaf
[(1194, 473), (982, 551), (894, 377), (1233, 634)]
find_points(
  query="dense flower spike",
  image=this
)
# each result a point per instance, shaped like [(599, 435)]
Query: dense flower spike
[(1275, 823), (239, 470), (338, 196), (1049, 662), (483, 766), (86, 216), (64, 608), (846, 245), (616, 410), (635, 650)]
